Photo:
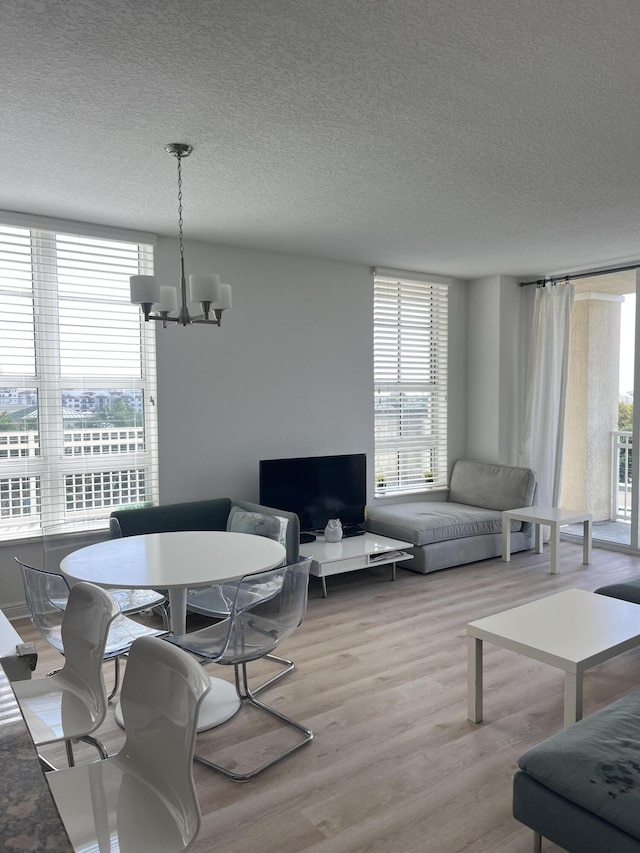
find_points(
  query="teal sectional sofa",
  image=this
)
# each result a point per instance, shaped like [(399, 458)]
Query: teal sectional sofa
[(211, 514), (580, 788)]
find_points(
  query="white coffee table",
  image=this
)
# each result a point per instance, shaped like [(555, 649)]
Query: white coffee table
[(555, 518), (572, 630), (353, 553)]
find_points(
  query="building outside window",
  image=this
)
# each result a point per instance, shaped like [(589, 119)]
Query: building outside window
[(410, 376), (78, 435)]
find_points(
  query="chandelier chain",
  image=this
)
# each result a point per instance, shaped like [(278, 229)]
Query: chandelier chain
[(179, 159)]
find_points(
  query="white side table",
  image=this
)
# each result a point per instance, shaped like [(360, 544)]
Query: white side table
[(555, 518)]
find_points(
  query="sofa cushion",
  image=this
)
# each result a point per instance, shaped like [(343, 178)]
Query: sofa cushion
[(490, 486), (293, 527), (425, 522), (628, 590), (258, 523), (596, 763)]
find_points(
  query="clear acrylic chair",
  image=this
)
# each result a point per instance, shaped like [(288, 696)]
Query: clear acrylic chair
[(58, 543), (46, 595), (71, 704), (143, 799), (257, 624), (217, 601)]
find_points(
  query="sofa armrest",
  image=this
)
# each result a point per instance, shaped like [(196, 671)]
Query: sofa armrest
[(292, 543)]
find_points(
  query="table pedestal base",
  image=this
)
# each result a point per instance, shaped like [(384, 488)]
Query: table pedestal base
[(218, 706)]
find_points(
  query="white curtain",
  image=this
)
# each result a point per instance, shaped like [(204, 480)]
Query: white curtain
[(542, 439)]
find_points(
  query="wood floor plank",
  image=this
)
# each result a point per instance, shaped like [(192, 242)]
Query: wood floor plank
[(395, 766)]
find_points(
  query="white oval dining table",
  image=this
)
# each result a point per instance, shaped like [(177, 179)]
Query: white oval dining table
[(177, 561)]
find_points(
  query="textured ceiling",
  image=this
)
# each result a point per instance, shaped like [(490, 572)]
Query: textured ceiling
[(458, 137)]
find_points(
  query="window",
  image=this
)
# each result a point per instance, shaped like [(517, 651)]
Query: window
[(77, 378), (410, 341)]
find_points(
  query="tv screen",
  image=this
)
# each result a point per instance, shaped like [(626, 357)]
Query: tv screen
[(316, 488)]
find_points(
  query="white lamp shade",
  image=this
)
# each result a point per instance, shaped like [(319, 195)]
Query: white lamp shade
[(144, 289), (224, 303), (204, 288), (168, 299)]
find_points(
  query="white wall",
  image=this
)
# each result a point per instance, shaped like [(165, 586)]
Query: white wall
[(500, 314), (483, 374), (289, 373), (516, 315)]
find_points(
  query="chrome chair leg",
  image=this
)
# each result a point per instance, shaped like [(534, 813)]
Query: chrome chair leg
[(161, 610), (247, 696), (68, 744), (96, 744), (116, 675), (288, 665)]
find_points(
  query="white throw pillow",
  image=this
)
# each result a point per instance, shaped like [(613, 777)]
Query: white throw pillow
[(259, 524)]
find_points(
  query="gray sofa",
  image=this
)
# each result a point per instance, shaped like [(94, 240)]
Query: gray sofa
[(580, 788), (468, 525)]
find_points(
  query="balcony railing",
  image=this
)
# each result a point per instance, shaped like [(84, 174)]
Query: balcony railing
[(621, 455)]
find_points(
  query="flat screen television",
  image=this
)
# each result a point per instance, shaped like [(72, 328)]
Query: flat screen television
[(317, 488)]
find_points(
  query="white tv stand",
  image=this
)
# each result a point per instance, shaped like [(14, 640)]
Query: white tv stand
[(353, 553)]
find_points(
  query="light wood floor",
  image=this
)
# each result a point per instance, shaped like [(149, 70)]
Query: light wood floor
[(395, 766)]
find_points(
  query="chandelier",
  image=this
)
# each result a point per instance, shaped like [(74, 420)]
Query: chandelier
[(150, 295)]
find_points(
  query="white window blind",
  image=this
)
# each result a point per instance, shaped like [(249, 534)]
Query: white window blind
[(78, 434), (410, 376)]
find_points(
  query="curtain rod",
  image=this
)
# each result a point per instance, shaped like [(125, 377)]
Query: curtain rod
[(541, 281)]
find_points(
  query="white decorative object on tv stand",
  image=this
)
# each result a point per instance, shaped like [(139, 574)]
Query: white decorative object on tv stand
[(333, 530)]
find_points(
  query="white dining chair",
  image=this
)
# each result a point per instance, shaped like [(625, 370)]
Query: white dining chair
[(72, 704), (142, 800)]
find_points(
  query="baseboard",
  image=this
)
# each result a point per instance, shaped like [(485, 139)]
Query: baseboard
[(18, 610)]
